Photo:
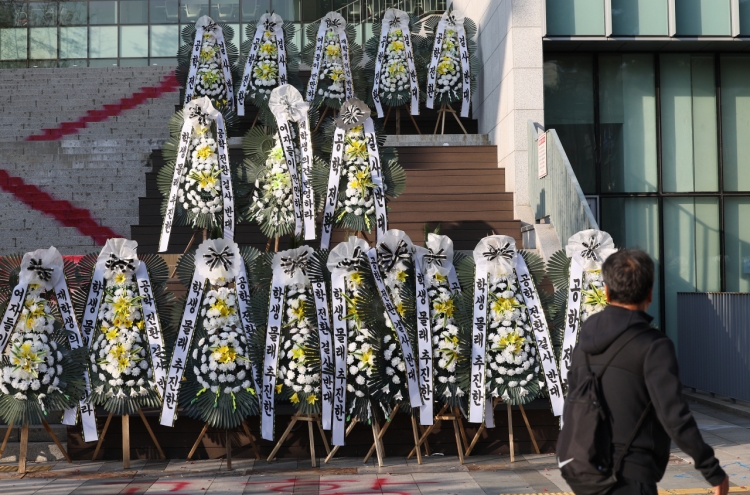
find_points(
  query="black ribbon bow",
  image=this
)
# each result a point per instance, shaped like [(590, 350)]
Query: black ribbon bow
[(351, 114), (211, 26), (591, 247), (435, 258), (350, 262), (333, 23), (119, 264), (196, 112), (387, 259), (44, 273), (269, 25), (504, 251), (214, 258), (291, 265)]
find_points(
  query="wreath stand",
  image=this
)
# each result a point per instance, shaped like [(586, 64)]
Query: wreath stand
[(375, 435), (320, 119), (398, 119), (25, 444), (189, 245), (228, 442), (126, 438), (310, 418), (510, 431), (445, 108), (375, 446), (458, 429)]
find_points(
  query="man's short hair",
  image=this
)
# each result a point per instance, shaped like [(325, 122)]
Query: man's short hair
[(629, 276)]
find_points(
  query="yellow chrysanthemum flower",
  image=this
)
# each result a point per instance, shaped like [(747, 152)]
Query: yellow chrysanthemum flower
[(501, 304), (298, 354), (512, 341), (440, 278), (355, 278), (111, 333), (401, 276), (204, 152), (356, 149), (367, 358), (120, 278), (312, 399), (396, 45), (444, 307), (24, 358), (267, 49), (333, 51), (299, 312), (223, 308), (225, 354), (336, 74)]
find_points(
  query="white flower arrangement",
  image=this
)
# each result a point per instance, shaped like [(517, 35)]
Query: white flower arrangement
[(200, 191), (448, 79), (34, 365), (273, 198), (359, 186), (395, 367), (220, 360), (445, 338), (511, 352), (332, 77), (360, 357), (119, 353), (265, 72), (394, 77), (296, 372), (210, 76), (593, 298)]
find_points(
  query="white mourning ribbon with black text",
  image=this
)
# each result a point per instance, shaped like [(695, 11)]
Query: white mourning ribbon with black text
[(450, 20), (287, 106), (424, 338), (289, 267), (207, 25), (396, 246), (325, 343), (214, 259), (587, 251), (242, 285), (343, 260), (332, 20), (198, 115), (395, 18), (267, 22)]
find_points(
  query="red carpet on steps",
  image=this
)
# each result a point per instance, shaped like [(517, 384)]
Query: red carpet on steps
[(168, 85)]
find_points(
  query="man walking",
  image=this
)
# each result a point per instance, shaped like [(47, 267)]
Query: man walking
[(629, 371)]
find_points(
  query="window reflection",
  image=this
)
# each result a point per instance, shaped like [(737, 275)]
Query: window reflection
[(164, 41), (73, 13), (225, 10), (42, 14), (253, 9), (164, 11), (133, 11), (73, 42), (103, 42), (103, 12), (191, 10)]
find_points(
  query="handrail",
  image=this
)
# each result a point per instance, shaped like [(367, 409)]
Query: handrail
[(558, 194)]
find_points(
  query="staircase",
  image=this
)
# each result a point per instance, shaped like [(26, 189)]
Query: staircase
[(458, 187), (97, 167)]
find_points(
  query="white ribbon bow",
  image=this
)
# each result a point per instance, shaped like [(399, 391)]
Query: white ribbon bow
[(118, 256), (439, 258), (200, 113), (42, 267), (347, 256), (498, 252), (292, 263), (394, 247), (590, 248), (218, 259), (286, 103)]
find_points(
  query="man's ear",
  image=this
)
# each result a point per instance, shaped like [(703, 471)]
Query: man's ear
[(606, 293)]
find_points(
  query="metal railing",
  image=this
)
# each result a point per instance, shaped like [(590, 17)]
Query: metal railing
[(557, 195), (363, 11), (713, 342)]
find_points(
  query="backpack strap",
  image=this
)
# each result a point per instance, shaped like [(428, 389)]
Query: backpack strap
[(612, 357), (618, 462)]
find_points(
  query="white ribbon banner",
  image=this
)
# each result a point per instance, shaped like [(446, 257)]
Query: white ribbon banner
[(271, 357), (12, 312), (242, 286), (337, 153), (207, 25), (306, 165), (153, 327), (455, 21), (424, 343), (541, 335), (287, 143), (412, 373), (226, 177), (572, 319), (332, 20), (479, 342), (376, 173), (326, 357), (395, 18), (181, 349), (267, 22), (338, 306)]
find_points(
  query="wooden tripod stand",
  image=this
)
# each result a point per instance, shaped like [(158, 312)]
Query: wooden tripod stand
[(375, 436), (24, 447), (445, 108), (458, 429), (228, 443), (398, 119), (310, 418), (375, 446), (126, 438), (483, 426)]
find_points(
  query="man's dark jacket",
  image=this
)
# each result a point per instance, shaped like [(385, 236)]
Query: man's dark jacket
[(646, 369)]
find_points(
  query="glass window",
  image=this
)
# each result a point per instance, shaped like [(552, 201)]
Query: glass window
[(42, 14), (737, 244), (164, 41), (313, 11), (134, 41), (225, 10), (163, 61), (639, 17), (287, 9), (634, 223), (73, 13), (164, 11), (569, 109), (235, 39), (627, 114), (133, 11), (253, 9), (43, 43), (13, 44), (73, 42), (13, 15), (691, 251), (134, 62), (103, 12), (735, 121), (745, 17), (688, 123), (703, 17), (574, 17), (191, 10), (72, 63), (103, 42), (103, 62)]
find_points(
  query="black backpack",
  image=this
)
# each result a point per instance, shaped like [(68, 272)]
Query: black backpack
[(584, 448)]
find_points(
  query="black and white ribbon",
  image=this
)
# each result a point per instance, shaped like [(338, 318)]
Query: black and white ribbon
[(376, 174), (395, 18), (267, 22), (453, 20), (424, 342), (289, 267), (199, 114), (242, 285), (287, 106), (326, 353), (343, 260), (332, 196), (334, 21), (207, 25), (153, 327)]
